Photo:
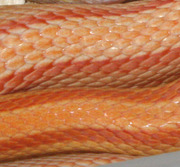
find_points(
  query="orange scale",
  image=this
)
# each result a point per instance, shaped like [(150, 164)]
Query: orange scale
[(30, 35), (137, 27), (141, 40), (137, 122), (12, 107), (15, 63), (103, 121), (64, 33), (28, 116), (54, 71), (150, 62), (151, 46), (149, 130), (103, 105), (175, 118), (90, 68), (73, 132), (155, 22), (160, 35), (158, 67), (88, 23), (74, 39), (131, 50), (38, 138), (20, 125), (92, 52), (100, 30), (109, 68), (3, 33), (11, 41), (93, 114), (67, 119), (175, 133), (7, 54), (111, 52), (64, 99), (39, 123), (146, 117), (53, 53), (8, 145), (56, 122), (73, 50), (129, 115), (4, 148), (4, 106), (168, 95), (172, 55), (17, 146), (70, 25), (72, 106), (109, 136), (79, 137), (132, 141), (8, 132), (111, 36), (60, 42), (24, 49), (14, 82), (81, 31), (89, 132), (168, 25), (116, 112), (87, 117), (34, 57), (121, 122), (152, 142), (140, 136), (102, 44), (43, 43), (48, 16), (123, 136), (170, 128), (43, 65), (90, 40), (161, 136), (153, 110), (157, 123), (73, 69), (118, 29), (130, 35), (24, 70), (149, 31), (129, 66), (95, 137)]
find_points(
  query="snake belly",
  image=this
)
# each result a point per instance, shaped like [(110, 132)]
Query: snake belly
[(86, 79)]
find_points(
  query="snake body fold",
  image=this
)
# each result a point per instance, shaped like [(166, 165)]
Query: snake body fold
[(100, 78)]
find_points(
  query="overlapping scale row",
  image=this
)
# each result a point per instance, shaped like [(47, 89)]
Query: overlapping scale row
[(133, 122), (73, 160), (126, 45)]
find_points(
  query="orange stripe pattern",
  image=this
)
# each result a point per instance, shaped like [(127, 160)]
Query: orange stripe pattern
[(111, 74)]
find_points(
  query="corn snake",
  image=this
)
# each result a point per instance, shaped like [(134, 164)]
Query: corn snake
[(107, 49)]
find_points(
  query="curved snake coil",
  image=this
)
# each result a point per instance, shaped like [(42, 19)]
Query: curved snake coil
[(100, 78)]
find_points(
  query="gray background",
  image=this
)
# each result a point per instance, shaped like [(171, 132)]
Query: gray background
[(163, 160)]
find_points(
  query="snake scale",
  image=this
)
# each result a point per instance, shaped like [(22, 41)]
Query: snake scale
[(98, 81)]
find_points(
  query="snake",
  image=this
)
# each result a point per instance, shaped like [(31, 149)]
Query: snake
[(88, 84)]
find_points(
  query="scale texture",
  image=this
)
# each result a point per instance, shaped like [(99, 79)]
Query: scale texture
[(78, 78)]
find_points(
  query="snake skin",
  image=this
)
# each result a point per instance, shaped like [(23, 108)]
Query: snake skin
[(77, 1), (100, 79)]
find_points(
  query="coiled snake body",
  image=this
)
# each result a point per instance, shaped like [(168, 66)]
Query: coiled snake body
[(100, 79)]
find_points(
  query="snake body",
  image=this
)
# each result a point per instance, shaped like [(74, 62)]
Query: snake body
[(100, 79)]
